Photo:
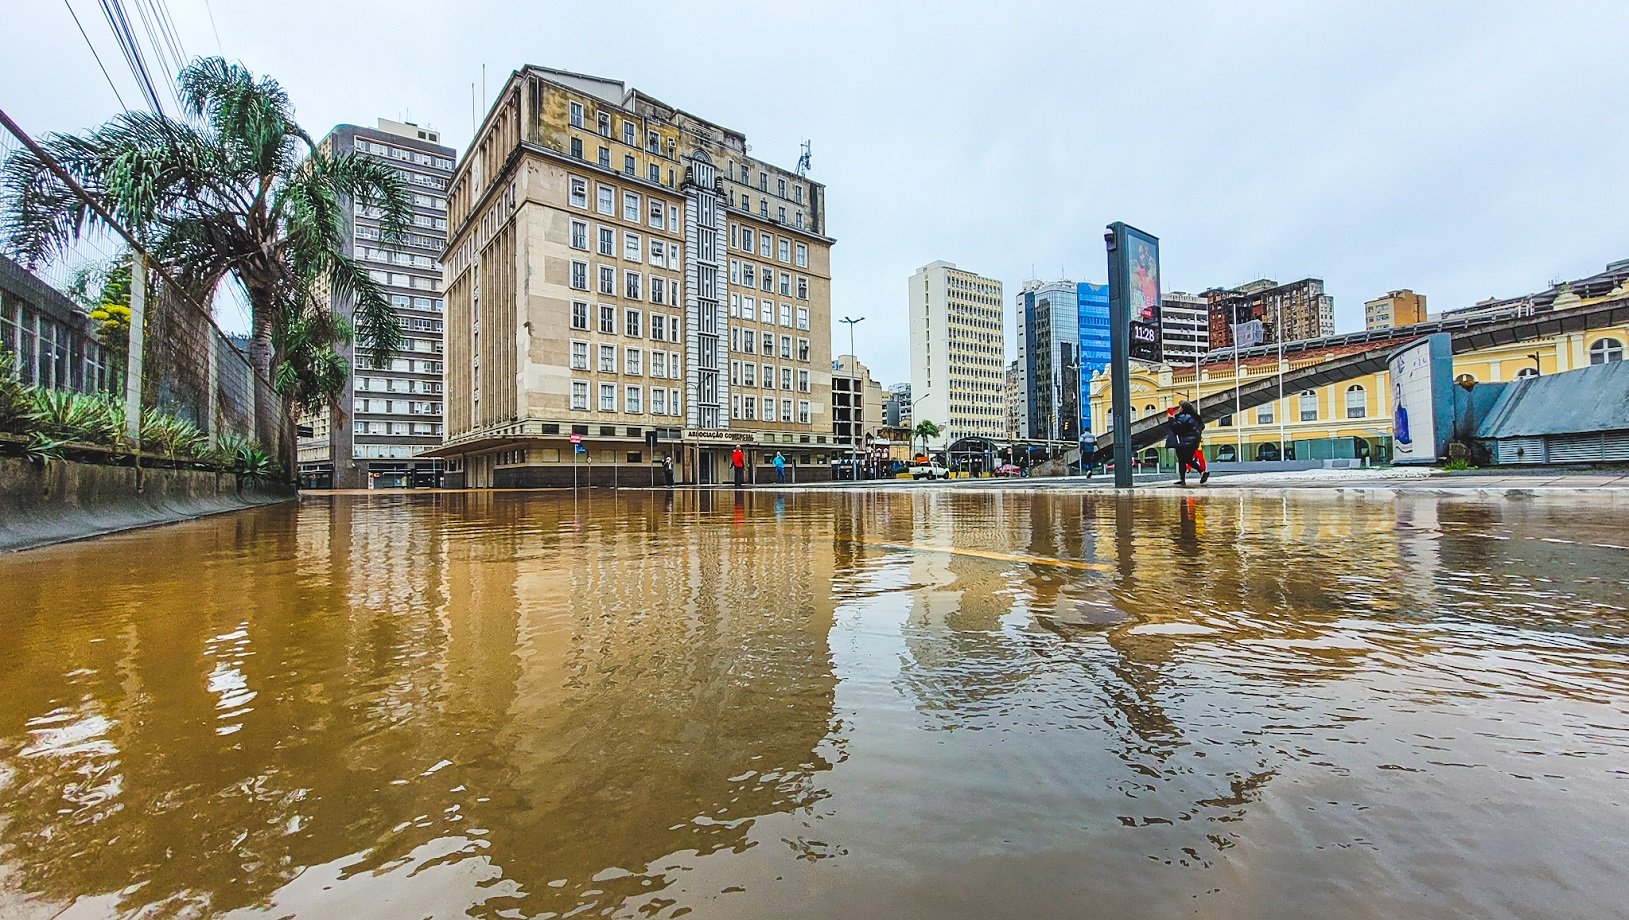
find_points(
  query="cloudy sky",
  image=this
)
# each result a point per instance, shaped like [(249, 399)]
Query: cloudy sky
[(1461, 149)]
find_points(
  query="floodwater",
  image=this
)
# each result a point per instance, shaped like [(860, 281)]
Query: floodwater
[(914, 703)]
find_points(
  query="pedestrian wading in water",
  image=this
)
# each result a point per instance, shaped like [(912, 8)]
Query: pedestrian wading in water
[(1186, 429)]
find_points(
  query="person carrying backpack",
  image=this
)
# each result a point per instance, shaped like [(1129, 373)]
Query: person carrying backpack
[(1187, 429)]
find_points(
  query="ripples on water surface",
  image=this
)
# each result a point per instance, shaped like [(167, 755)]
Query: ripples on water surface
[(891, 704)]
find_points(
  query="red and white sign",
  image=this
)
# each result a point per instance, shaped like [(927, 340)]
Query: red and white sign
[(576, 439)]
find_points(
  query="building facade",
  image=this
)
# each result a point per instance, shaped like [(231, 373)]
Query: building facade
[(1292, 312), (1397, 308), (395, 408), (1184, 327), (897, 406), (1015, 389), (957, 351), (621, 270), (857, 412), (1063, 338)]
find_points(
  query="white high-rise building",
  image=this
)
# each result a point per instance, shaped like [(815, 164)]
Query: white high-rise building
[(1184, 327), (958, 361)]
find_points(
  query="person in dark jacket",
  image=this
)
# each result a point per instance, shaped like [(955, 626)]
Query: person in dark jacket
[(667, 469), (1187, 428)]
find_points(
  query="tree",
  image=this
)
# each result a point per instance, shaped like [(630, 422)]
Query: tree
[(926, 430), (234, 188)]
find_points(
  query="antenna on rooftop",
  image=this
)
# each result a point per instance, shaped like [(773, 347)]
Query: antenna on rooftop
[(803, 160)]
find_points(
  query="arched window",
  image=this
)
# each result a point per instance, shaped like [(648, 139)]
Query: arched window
[(1606, 351), (1527, 372), (1309, 406), (1149, 410), (1357, 403)]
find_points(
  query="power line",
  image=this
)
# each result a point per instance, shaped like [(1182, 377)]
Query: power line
[(95, 55), (113, 11), (211, 11)]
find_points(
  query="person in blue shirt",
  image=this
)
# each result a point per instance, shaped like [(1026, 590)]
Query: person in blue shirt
[(780, 467)]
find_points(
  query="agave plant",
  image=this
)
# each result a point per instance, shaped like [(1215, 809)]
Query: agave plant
[(171, 436), (252, 461), (15, 401), (42, 448), (65, 416)]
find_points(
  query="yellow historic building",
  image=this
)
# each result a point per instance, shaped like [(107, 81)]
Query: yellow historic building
[(1351, 418)]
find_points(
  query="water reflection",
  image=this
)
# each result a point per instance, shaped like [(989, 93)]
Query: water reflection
[(915, 703)]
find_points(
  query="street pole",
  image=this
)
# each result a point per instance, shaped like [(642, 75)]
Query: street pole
[(1238, 412), (1278, 333), (1119, 359)]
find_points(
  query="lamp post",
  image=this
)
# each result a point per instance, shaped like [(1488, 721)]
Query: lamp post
[(853, 396), (1537, 367)]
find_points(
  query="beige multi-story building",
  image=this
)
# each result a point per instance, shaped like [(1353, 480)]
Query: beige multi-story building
[(958, 360), (619, 269), (1397, 308), (855, 419)]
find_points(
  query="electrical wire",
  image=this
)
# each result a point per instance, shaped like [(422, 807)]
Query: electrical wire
[(211, 11), (113, 11), (96, 55)]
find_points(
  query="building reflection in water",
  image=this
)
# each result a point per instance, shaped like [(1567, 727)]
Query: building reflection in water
[(926, 701)]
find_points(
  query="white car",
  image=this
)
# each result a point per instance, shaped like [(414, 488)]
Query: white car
[(929, 471)]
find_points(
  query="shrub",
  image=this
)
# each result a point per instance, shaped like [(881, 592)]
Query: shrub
[(171, 436), (64, 416), (15, 401)]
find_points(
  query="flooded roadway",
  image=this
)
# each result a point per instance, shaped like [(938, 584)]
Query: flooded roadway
[(858, 704)]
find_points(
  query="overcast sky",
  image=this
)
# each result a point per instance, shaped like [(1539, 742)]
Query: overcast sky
[(1460, 149)]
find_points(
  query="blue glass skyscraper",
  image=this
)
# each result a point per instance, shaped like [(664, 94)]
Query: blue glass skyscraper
[(1093, 301), (1063, 339)]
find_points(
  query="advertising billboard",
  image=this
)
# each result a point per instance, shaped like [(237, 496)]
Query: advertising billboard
[(1421, 400), (1134, 273)]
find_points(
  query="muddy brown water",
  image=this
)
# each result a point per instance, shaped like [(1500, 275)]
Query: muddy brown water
[(842, 704)]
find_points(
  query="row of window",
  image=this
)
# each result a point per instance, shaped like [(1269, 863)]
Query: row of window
[(404, 302), (747, 342), (658, 215), (745, 273), (424, 221), (662, 253), (745, 374), (742, 239), (746, 307), (663, 401), (749, 408), (660, 290), (396, 153), (397, 257), (763, 182), (663, 364), (630, 167), (396, 406), (395, 384), (602, 125), (401, 279), (365, 232), (662, 327), (396, 428)]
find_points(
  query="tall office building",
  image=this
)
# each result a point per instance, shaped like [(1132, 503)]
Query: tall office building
[(957, 359), (395, 407), (1184, 327), (1015, 387), (897, 406), (1302, 307), (619, 268), (1397, 308), (856, 403), (1063, 339)]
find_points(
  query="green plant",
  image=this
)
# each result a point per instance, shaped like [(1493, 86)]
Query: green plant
[(66, 416), (1458, 464), (15, 401), (42, 448), (925, 430), (252, 461), (171, 436)]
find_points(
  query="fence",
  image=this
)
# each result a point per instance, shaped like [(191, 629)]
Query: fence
[(64, 320)]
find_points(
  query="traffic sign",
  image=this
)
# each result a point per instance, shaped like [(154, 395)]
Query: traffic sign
[(576, 438)]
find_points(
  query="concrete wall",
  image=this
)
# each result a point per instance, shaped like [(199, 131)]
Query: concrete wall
[(66, 500)]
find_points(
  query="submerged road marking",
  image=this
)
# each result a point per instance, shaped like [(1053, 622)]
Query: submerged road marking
[(992, 555)]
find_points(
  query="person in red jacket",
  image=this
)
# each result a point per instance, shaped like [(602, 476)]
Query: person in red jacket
[(738, 460)]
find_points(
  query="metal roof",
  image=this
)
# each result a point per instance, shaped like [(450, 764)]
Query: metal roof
[(1585, 401)]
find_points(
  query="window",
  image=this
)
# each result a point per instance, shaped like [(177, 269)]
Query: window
[(658, 289), (658, 364), (633, 282), (803, 288), (746, 239), (657, 215), (786, 379), (602, 124), (608, 319), (608, 280), (576, 114), (579, 235), (658, 253), (786, 314), (608, 359), (803, 349), (1357, 403), (628, 133), (769, 409), (747, 340), (1309, 406), (655, 178), (766, 246), (802, 256), (803, 411), (633, 362), (633, 399), (803, 318), (579, 192), (786, 285), (797, 194), (631, 322), (785, 245), (658, 331), (1527, 372), (1264, 414), (658, 396), (751, 408), (803, 383), (608, 241), (579, 275), (631, 247), (766, 279), (748, 375), (605, 157), (579, 394), (605, 199), (786, 346), (786, 410), (629, 168), (1605, 351), (769, 344), (608, 397), (747, 275), (577, 148), (630, 206), (579, 356), (780, 187)]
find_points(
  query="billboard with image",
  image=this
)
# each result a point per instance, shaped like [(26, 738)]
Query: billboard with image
[(1134, 273), (1422, 413)]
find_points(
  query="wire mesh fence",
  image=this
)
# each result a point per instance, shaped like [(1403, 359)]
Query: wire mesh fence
[(103, 319)]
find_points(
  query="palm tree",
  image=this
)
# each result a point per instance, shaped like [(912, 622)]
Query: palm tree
[(232, 188), (926, 430)]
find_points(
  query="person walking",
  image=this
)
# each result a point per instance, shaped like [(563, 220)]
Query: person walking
[(738, 461), (667, 469), (780, 467), (1198, 461), (1187, 428)]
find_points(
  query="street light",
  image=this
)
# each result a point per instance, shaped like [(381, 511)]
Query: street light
[(853, 395), (1537, 367)]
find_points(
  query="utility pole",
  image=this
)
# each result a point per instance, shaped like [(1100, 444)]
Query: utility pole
[(1278, 333)]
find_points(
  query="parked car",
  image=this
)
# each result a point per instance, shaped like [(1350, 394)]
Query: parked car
[(1008, 469), (929, 470)]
